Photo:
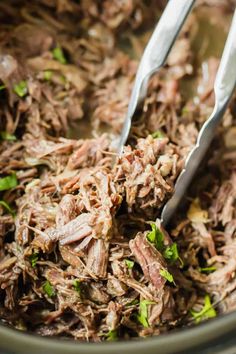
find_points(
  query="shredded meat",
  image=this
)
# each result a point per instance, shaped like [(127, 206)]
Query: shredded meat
[(82, 251)]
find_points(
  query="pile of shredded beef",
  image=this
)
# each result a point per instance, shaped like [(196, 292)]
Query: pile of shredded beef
[(82, 251)]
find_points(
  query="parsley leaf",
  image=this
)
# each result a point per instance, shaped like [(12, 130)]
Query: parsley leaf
[(59, 55), (158, 134), (171, 252), (7, 207), (77, 285), (21, 89), (7, 136), (47, 75), (8, 182), (34, 257), (129, 263), (48, 289), (206, 312), (156, 237), (207, 269), (132, 303), (165, 274), (143, 312), (112, 335)]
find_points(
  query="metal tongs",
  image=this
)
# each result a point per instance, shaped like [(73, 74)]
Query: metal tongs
[(153, 59)]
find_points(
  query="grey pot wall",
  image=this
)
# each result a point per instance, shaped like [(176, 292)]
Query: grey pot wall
[(213, 337)]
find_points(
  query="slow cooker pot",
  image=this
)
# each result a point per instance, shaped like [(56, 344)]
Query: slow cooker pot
[(216, 336)]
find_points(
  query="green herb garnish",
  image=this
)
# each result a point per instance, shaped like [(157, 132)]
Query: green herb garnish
[(207, 269), (21, 89), (8, 182), (142, 316), (156, 237), (165, 274), (185, 110), (206, 312), (7, 136), (2, 87), (112, 335), (77, 285), (47, 75), (7, 207), (34, 257), (171, 252), (133, 302), (48, 289), (157, 134), (129, 263), (59, 55)]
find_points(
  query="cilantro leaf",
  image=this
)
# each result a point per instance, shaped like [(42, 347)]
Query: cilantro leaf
[(142, 316), (165, 274), (8, 182), (7, 207), (206, 312), (207, 269), (47, 75), (156, 237), (158, 134), (112, 335), (7, 136), (34, 257), (129, 263), (21, 88), (77, 285), (59, 55), (48, 289)]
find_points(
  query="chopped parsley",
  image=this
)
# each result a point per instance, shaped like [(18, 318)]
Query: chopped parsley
[(157, 134), (171, 252), (47, 75), (48, 289), (207, 269), (77, 285), (142, 316), (156, 237), (7, 136), (7, 207), (21, 89), (133, 302), (206, 312), (112, 335), (8, 182), (129, 263), (59, 55), (185, 110), (34, 257), (165, 274)]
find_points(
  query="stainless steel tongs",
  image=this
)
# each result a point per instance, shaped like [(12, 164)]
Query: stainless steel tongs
[(224, 86), (153, 58)]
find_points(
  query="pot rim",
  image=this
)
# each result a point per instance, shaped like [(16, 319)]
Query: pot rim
[(178, 340)]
